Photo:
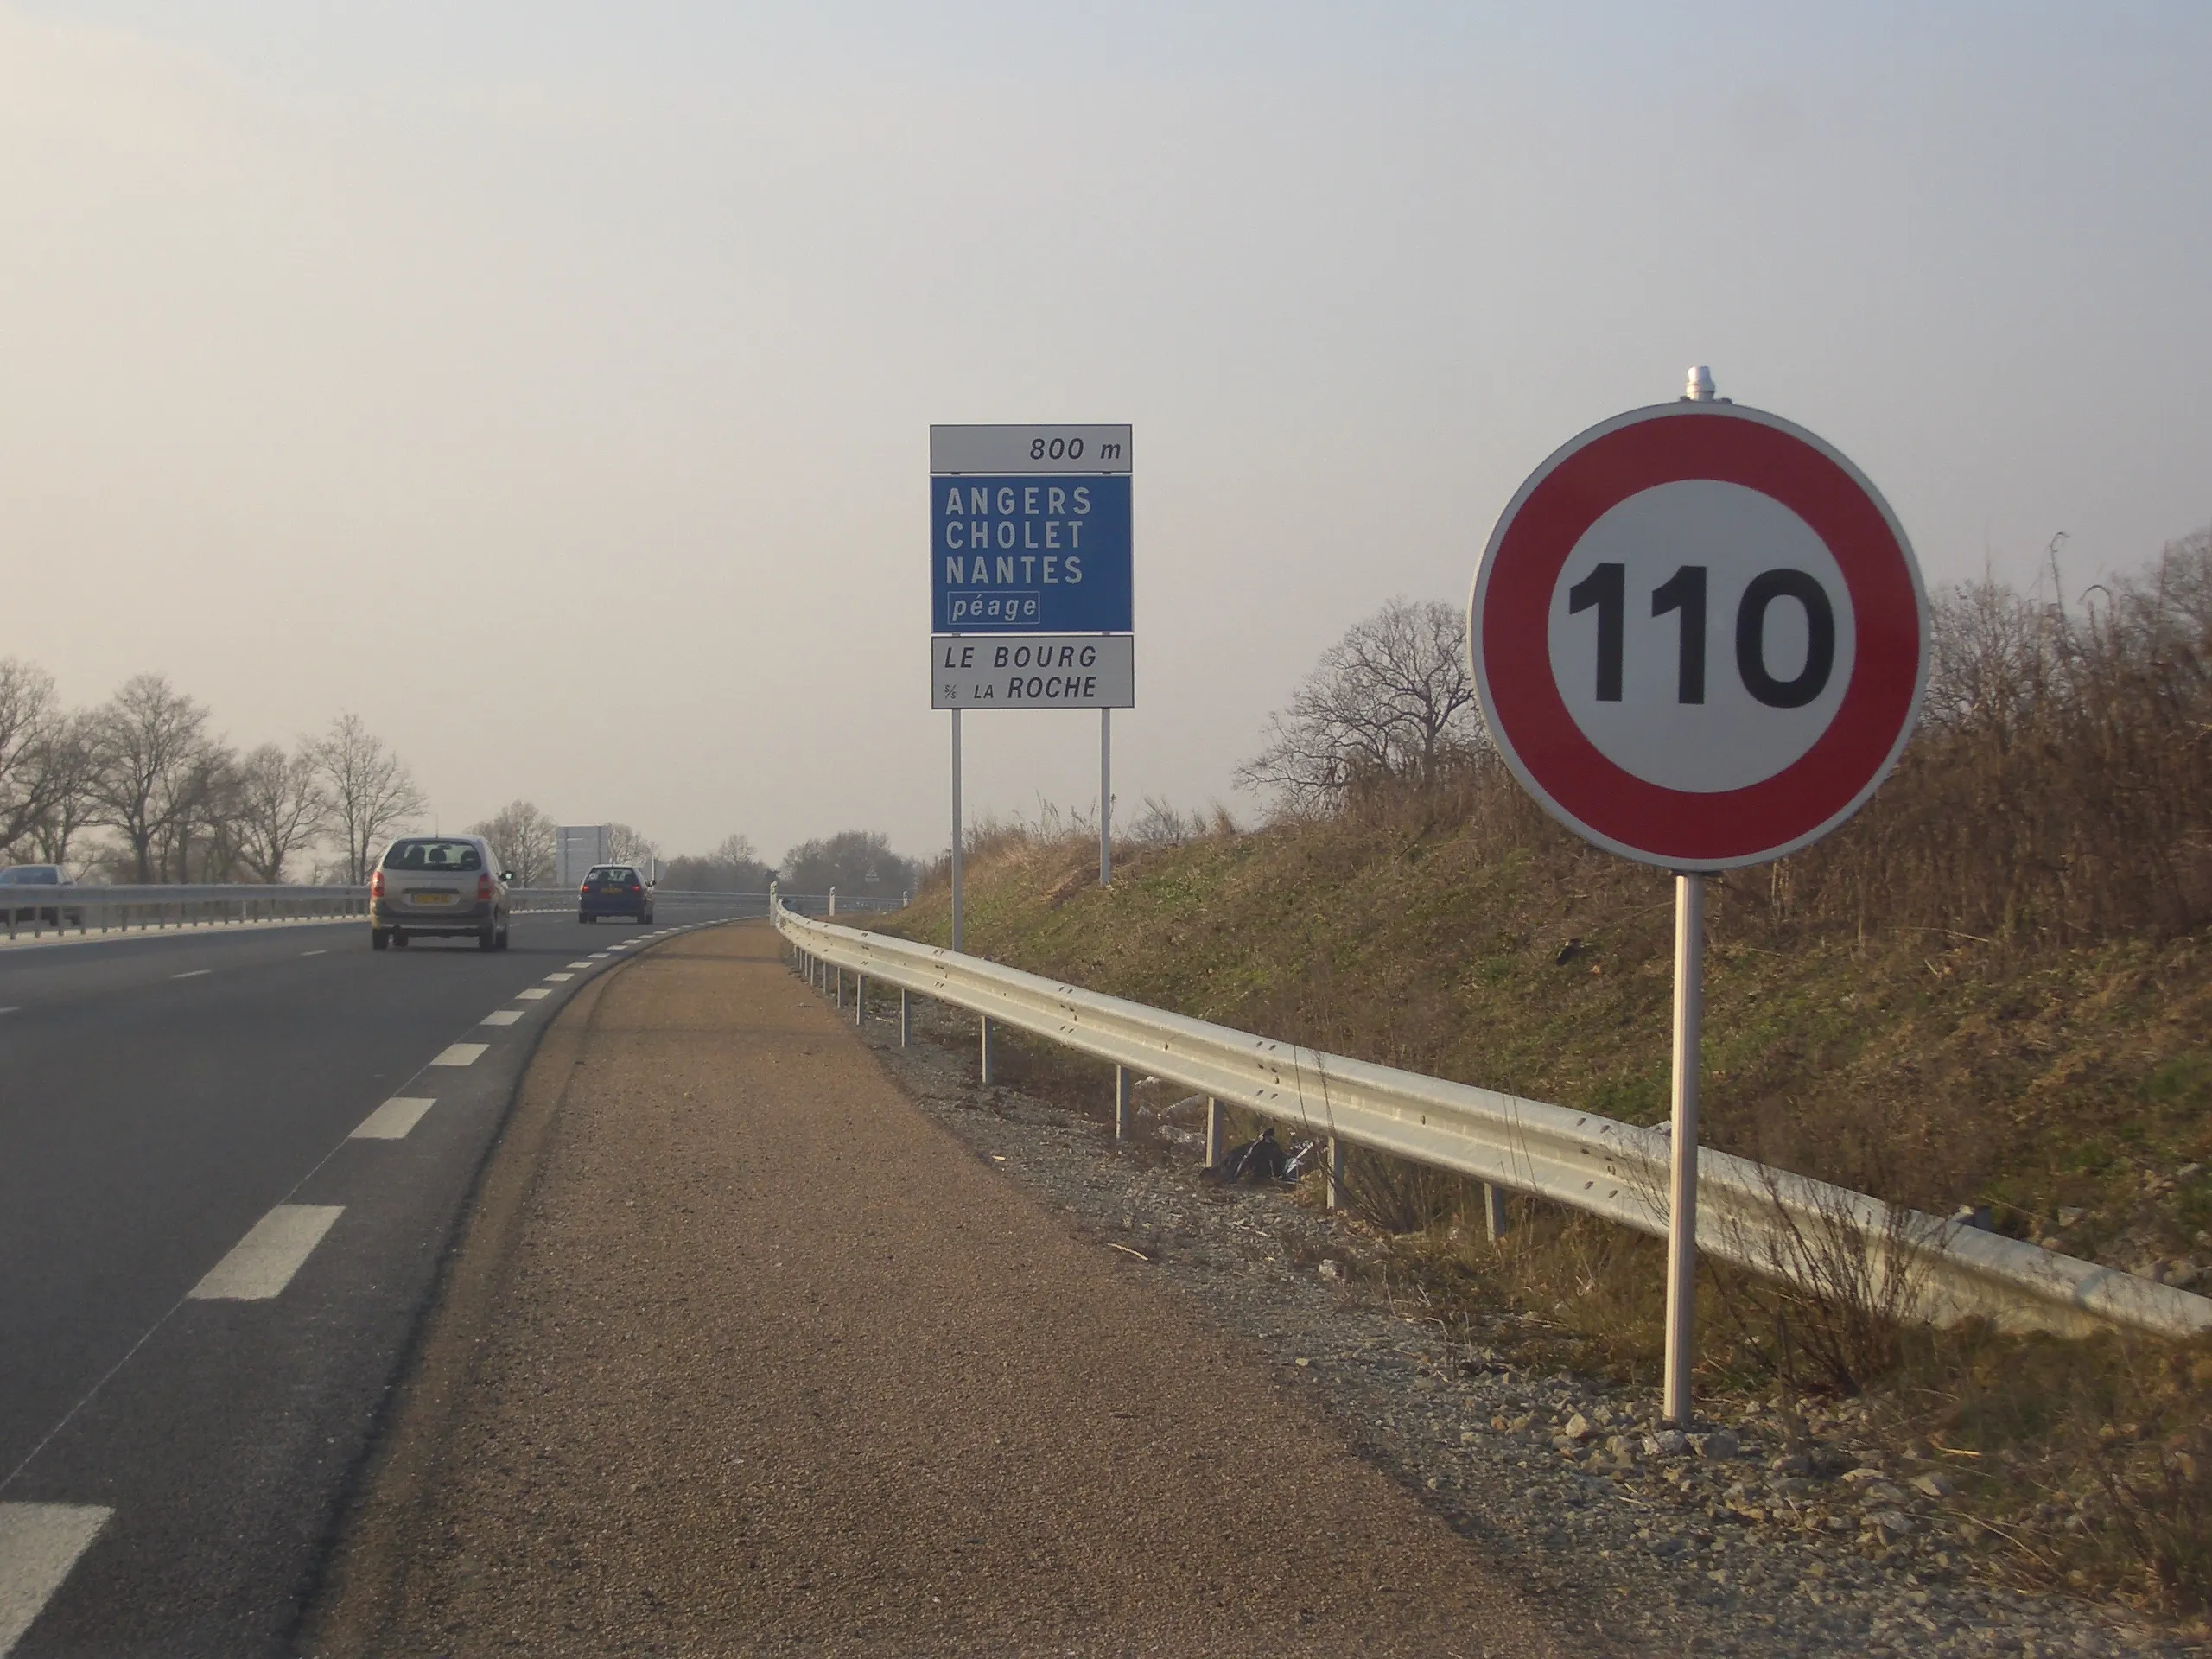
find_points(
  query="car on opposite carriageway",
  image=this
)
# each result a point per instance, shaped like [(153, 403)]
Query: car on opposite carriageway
[(614, 890), (448, 886)]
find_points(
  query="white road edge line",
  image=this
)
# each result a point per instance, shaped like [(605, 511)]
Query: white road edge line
[(263, 1262), (460, 1054), (39, 1543), (391, 1121), (573, 964), (533, 995), (501, 1017), (560, 979)]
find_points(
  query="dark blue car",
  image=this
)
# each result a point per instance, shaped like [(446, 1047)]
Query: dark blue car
[(613, 890)]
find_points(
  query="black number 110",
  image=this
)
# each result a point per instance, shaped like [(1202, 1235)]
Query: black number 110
[(1606, 588)]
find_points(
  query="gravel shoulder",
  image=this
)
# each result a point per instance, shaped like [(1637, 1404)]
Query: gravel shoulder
[(744, 1353), (1756, 1538)]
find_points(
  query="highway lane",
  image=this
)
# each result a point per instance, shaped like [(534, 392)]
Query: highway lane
[(171, 1103)]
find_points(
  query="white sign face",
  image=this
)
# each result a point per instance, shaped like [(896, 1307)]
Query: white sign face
[(1702, 636), (996, 449), (1032, 670)]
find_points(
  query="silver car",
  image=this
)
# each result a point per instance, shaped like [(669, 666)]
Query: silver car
[(439, 886)]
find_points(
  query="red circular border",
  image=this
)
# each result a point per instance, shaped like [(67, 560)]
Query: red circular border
[(1679, 826)]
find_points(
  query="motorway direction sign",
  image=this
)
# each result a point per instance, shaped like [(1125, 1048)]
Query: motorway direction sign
[(1042, 670), (1699, 636), (1030, 554)]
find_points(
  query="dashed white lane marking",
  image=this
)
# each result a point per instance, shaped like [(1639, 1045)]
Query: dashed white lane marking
[(39, 1543), (501, 1017), (460, 1054), (17, 1008), (315, 953), (263, 1262), (194, 974), (391, 1121), (531, 995), (600, 955), (560, 979), (574, 964)]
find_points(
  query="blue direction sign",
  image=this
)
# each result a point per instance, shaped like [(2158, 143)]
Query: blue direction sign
[(1030, 553)]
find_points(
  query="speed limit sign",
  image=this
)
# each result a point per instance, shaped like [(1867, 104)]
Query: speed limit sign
[(1699, 636)]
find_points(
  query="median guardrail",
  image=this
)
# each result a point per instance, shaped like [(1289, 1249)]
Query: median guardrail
[(1827, 1240), (87, 909)]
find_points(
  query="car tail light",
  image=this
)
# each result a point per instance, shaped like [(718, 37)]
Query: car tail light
[(583, 887), (376, 884), (483, 888), (635, 887)]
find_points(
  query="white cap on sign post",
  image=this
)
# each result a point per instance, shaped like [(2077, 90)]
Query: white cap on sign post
[(1701, 387)]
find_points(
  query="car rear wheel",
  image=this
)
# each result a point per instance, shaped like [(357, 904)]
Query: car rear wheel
[(379, 939), (487, 937), (503, 937), (399, 937)]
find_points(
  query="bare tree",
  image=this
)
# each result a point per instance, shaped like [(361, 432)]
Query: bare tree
[(733, 867), (625, 845), (72, 756), (857, 862), (34, 732), (522, 839), (1392, 701), (280, 807), (369, 789), (151, 766)]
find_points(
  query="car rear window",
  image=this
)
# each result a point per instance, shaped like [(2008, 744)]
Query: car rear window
[(612, 872), (430, 855), (32, 875)]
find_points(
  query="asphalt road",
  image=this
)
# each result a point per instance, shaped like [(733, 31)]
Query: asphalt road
[(210, 1280)]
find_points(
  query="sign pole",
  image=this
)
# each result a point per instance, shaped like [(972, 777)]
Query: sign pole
[(956, 836), (1681, 1195), (1105, 797)]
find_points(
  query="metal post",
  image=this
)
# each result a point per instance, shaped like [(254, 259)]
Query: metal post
[(1681, 1211), (1105, 797), (1495, 1221), (833, 901), (983, 1051), (1213, 1131), (860, 999), (957, 837), (1336, 1174), (840, 988), (1122, 1093), (905, 1025)]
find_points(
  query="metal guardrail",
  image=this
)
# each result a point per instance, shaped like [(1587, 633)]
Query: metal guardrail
[(38, 910), (1826, 1239)]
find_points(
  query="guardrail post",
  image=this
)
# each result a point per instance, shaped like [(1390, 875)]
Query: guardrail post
[(905, 1025), (1336, 1165), (840, 990), (983, 1051), (833, 901), (1213, 1132), (1122, 1093), (1495, 1221), (860, 999)]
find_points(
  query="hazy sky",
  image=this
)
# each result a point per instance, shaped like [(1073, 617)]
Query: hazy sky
[(550, 383)]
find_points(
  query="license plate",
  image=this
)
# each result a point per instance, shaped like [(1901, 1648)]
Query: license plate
[(429, 897)]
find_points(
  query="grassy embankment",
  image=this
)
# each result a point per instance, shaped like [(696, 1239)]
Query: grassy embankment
[(2064, 1089)]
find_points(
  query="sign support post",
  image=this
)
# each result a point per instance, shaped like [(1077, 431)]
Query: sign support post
[(1105, 797), (959, 829), (1681, 1187)]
